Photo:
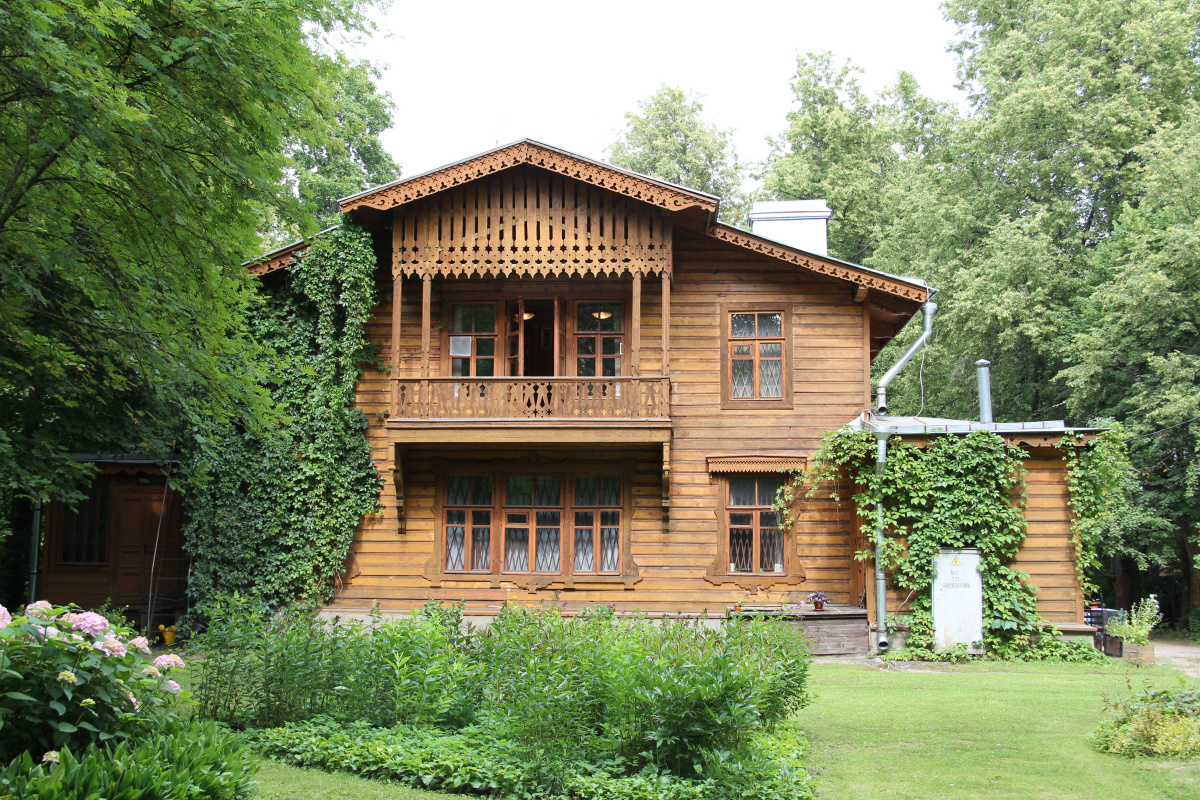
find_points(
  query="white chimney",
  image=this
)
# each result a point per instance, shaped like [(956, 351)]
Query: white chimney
[(803, 224)]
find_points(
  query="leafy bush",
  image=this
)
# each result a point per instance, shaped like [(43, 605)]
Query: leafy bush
[(264, 670), (70, 678), (1161, 723), (178, 762), (471, 761), (1142, 619), (557, 690)]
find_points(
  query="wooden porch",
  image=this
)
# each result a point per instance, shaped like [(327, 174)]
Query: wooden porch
[(513, 398)]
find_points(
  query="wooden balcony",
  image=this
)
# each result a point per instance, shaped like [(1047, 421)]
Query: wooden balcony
[(567, 409)]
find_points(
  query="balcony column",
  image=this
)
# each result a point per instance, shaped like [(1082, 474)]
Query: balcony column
[(635, 328), (397, 303), (666, 324), (426, 322)]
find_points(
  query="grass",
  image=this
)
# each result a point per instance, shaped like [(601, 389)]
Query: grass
[(278, 781), (979, 730)]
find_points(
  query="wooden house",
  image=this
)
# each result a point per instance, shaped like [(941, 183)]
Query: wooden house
[(121, 544), (590, 386)]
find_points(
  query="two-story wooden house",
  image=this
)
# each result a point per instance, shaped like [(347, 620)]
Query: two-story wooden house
[(591, 386)]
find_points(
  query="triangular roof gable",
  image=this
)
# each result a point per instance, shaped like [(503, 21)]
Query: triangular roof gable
[(605, 176)]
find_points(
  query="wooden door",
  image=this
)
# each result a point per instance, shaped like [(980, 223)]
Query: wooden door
[(138, 509)]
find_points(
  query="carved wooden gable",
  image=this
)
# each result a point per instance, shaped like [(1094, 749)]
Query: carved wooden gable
[(529, 221)]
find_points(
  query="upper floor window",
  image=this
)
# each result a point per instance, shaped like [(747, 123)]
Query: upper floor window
[(473, 340), (599, 339), (548, 524), (757, 355)]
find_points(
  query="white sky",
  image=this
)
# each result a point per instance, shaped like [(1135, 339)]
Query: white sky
[(469, 75)]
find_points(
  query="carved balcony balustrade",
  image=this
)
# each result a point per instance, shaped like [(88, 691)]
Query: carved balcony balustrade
[(518, 398)]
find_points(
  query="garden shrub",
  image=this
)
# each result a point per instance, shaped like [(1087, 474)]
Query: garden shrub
[(471, 761), (177, 762), (265, 669), (70, 678), (538, 698), (1163, 724)]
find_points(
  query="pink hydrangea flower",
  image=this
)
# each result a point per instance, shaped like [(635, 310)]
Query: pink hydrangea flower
[(136, 706), (140, 643), (173, 686), (5, 617), (90, 622), (112, 646), (39, 609), (50, 757), (169, 661), (152, 672)]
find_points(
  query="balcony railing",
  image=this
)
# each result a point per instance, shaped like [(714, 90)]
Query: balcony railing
[(532, 398)]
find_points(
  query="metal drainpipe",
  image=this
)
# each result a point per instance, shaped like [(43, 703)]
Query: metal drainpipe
[(983, 374), (930, 308), (881, 437), (35, 544)]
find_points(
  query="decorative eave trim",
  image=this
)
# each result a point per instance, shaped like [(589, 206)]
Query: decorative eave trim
[(861, 276), (754, 463), (278, 259), (598, 174)]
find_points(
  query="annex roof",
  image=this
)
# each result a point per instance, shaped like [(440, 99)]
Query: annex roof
[(1038, 432)]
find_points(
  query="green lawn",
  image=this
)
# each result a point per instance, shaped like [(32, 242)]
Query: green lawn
[(970, 731), (979, 730), (280, 782)]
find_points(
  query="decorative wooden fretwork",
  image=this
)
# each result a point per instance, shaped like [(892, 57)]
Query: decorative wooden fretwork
[(550, 159), (532, 398), (754, 463), (846, 272), (530, 222)]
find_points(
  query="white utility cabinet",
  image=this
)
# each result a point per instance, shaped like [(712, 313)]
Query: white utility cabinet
[(957, 598)]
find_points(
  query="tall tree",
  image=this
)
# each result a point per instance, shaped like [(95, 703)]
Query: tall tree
[(140, 143), (668, 139)]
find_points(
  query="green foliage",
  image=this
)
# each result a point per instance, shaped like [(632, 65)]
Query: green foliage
[(1101, 482), (141, 143), (958, 491), (1136, 626), (669, 140), (177, 762), (273, 516), (472, 761), (1160, 724), (69, 679), (263, 670), (555, 691)]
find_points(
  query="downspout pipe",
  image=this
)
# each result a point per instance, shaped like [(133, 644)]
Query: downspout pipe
[(35, 545), (930, 308), (881, 631)]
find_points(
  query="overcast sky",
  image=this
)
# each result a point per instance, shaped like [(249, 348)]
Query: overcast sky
[(468, 75)]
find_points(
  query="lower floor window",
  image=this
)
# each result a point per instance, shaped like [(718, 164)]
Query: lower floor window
[(552, 524), (755, 538)]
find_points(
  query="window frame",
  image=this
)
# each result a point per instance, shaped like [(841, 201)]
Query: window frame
[(756, 528), (728, 401), (500, 508), (96, 527), (598, 337), (496, 335)]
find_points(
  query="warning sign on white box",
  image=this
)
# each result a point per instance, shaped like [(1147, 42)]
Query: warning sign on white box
[(957, 598)]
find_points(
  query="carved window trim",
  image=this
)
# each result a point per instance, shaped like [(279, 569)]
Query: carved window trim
[(718, 571)]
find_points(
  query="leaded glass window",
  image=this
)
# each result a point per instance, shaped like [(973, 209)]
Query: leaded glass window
[(756, 355), (756, 541)]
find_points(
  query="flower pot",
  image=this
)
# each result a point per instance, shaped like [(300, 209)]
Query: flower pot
[(168, 634), (818, 605), (1140, 654)]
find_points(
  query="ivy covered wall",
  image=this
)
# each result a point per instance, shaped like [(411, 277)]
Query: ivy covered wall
[(273, 517)]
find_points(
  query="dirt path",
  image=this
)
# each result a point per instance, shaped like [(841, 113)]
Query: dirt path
[(1177, 654)]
